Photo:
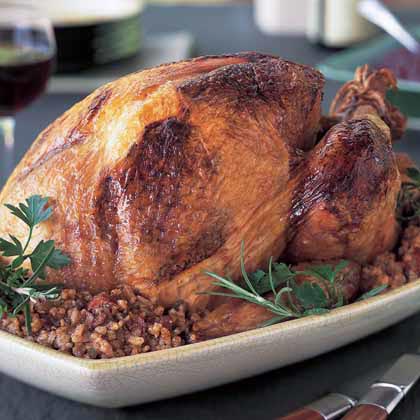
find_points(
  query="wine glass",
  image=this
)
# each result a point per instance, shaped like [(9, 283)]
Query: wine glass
[(27, 49)]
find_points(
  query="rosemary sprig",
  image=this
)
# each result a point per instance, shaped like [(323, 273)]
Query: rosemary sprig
[(18, 285), (289, 299), (373, 292)]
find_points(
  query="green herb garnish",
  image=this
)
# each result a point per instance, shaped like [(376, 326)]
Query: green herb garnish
[(20, 286), (409, 197), (374, 292), (290, 300)]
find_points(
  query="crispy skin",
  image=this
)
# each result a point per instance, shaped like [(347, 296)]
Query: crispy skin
[(345, 202), (163, 173), (404, 162)]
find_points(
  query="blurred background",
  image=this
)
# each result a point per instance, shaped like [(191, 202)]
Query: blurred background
[(100, 40)]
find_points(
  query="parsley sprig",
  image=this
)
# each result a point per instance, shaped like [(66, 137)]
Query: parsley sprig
[(289, 299), (409, 198), (18, 285)]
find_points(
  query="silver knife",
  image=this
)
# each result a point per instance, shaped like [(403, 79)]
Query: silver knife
[(377, 398)]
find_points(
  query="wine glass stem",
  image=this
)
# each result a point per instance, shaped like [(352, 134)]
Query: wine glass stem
[(7, 148)]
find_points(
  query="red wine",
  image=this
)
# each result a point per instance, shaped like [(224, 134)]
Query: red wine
[(24, 73)]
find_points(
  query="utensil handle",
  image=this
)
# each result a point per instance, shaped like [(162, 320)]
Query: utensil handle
[(303, 414), (366, 412), (376, 12), (329, 407)]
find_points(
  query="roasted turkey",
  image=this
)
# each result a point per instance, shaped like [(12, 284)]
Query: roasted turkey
[(162, 174)]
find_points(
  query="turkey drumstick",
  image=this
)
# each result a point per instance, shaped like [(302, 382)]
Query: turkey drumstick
[(344, 205)]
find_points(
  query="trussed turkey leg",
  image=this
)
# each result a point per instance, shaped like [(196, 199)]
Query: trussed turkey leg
[(365, 97), (344, 206)]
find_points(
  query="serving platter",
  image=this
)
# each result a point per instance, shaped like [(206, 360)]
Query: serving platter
[(168, 373)]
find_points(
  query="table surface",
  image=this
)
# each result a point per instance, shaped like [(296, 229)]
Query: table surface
[(224, 29)]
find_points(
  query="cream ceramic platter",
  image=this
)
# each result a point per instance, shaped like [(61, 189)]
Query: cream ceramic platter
[(168, 373)]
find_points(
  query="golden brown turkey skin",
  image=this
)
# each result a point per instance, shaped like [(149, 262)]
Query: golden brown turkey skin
[(163, 173), (345, 202)]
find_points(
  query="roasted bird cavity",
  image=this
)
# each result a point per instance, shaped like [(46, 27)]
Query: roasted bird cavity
[(162, 174)]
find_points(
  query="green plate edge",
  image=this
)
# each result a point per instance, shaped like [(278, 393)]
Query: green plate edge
[(341, 66)]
